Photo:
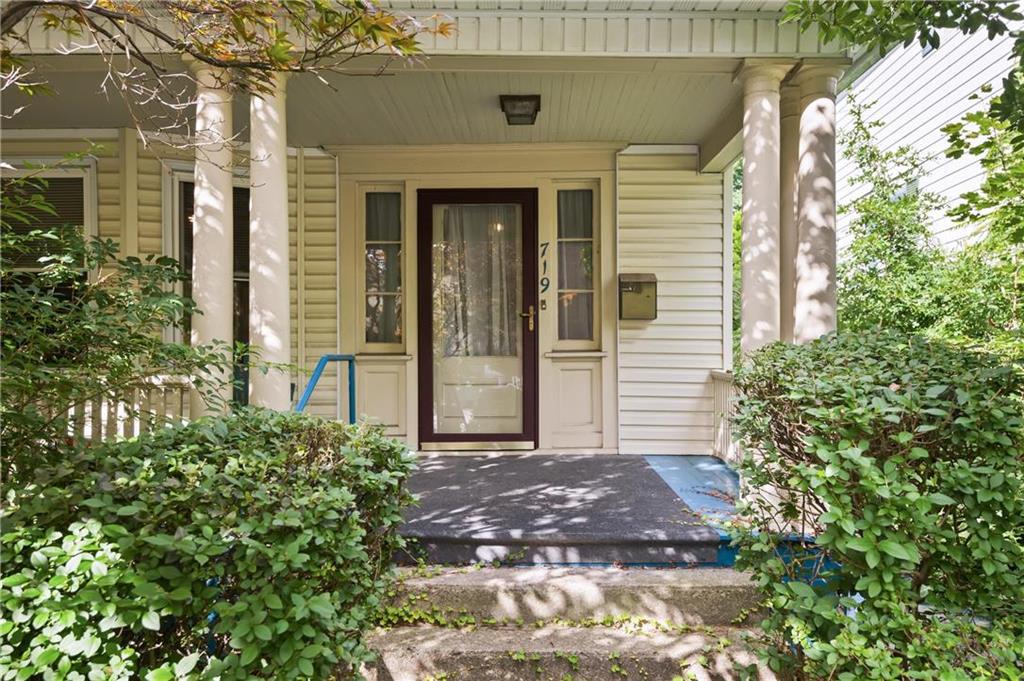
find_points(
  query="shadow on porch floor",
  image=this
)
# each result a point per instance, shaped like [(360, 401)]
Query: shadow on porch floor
[(571, 510)]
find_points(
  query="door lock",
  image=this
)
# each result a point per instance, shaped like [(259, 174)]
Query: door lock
[(529, 315)]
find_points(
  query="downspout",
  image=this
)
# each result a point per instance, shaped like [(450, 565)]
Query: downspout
[(300, 263), (615, 288)]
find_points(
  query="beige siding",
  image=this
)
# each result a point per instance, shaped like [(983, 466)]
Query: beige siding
[(915, 95), (670, 222), (150, 198), (315, 320)]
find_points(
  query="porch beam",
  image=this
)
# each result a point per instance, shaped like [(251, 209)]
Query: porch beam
[(760, 312), (814, 311), (724, 143), (269, 315), (212, 244)]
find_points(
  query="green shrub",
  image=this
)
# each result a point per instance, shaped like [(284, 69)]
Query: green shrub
[(86, 325), (903, 458), (282, 525)]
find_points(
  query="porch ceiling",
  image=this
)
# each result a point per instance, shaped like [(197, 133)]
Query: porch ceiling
[(453, 100)]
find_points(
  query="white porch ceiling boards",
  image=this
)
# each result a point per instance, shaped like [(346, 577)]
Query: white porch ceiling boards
[(451, 100), (462, 107)]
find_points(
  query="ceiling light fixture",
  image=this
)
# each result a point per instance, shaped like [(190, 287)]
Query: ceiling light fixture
[(520, 109)]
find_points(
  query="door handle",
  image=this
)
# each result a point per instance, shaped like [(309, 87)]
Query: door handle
[(529, 315)]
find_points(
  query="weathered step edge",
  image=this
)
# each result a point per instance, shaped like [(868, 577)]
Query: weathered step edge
[(464, 551), (560, 654), (708, 597)]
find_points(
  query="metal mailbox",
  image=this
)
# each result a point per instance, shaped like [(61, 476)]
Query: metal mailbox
[(638, 296)]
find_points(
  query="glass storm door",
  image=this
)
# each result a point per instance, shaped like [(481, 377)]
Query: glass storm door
[(478, 318)]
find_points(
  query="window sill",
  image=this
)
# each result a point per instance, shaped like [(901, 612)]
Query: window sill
[(575, 354), (382, 357)]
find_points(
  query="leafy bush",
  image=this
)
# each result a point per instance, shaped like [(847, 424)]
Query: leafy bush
[(252, 545), (86, 325), (902, 458)]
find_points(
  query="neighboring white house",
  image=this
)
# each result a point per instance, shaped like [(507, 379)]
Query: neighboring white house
[(473, 266), (916, 91)]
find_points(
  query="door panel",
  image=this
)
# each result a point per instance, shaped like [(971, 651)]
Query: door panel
[(477, 337)]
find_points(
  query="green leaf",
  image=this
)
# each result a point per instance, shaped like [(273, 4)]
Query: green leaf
[(151, 620), (273, 602), (46, 657), (249, 654), (305, 666), (940, 499), (262, 632), (901, 551), (802, 590), (160, 674), (186, 664)]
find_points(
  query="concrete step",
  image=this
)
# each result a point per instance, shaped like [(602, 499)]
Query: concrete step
[(558, 653), (705, 596)]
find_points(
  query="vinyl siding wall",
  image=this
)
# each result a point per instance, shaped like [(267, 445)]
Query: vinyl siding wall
[(670, 221), (915, 95), (131, 189)]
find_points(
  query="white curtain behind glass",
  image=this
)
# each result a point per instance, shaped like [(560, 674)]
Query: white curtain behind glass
[(478, 260)]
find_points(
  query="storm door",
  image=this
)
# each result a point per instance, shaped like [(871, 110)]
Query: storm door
[(478, 318)]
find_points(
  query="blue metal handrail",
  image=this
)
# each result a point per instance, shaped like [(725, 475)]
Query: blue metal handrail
[(320, 366)]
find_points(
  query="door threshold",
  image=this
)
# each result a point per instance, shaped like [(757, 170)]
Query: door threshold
[(477, 446)]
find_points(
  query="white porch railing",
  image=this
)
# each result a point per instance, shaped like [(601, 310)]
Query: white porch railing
[(722, 396), (158, 402)]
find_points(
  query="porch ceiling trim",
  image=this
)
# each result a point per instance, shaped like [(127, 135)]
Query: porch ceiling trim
[(628, 33)]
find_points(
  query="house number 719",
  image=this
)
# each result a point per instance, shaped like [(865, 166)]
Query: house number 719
[(545, 281)]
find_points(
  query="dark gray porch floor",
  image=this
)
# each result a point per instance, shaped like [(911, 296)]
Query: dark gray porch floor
[(556, 509)]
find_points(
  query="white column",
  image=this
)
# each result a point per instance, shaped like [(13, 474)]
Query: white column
[(760, 243), (269, 319), (814, 311), (212, 245), (789, 149)]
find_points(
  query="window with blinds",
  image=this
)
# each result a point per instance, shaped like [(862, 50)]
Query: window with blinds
[(66, 195), (576, 265), (383, 263)]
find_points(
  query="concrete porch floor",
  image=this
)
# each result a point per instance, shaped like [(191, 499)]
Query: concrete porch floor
[(532, 509)]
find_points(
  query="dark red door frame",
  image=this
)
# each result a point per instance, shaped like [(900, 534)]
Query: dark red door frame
[(426, 199)]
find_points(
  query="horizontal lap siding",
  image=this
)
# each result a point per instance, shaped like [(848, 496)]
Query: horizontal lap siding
[(670, 224), (320, 278), (150, 198), (914, 96)]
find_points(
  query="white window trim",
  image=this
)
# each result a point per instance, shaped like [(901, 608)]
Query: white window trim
[(174, 173), (362, 346), (86, 169), (595, 343)]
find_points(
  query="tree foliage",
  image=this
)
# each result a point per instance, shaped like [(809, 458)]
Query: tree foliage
[(887, 277), (250, 39), (882, 25)]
